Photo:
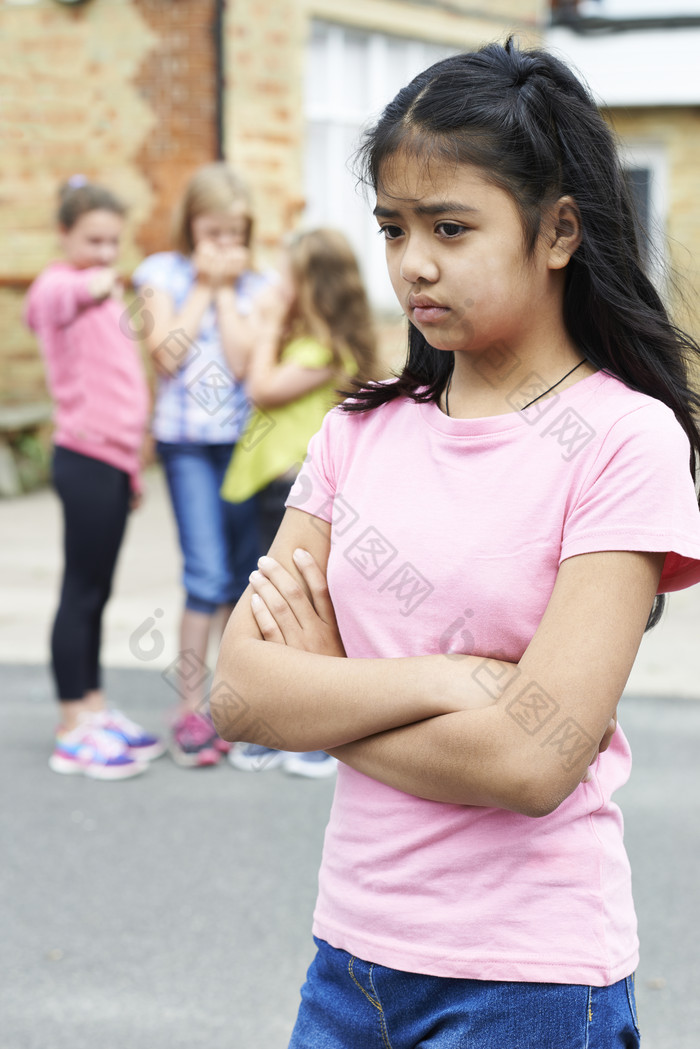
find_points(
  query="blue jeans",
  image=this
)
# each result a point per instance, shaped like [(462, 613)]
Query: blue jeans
[(219, 540), (347, 1003)]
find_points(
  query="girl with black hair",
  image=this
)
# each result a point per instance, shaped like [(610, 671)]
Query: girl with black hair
[(495, 525)]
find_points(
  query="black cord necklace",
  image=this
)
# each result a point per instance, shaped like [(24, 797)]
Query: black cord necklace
[(560, 381)]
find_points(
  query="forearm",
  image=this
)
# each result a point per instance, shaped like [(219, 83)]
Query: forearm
[(70, 292), (520, 751), (312, 702), (262, 379), (453, 758), (188, 320), (236, 331)]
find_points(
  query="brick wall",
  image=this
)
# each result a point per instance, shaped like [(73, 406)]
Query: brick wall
[(177, 79), (124, 91), (71, 106)]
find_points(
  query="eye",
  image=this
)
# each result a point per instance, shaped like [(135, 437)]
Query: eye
[(390, 232), (450, 230)]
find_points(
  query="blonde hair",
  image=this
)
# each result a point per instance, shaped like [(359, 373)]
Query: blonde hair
[(331, 303), (213, 188)]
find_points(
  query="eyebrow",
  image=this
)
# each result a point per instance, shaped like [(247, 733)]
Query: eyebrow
[(427, 209)]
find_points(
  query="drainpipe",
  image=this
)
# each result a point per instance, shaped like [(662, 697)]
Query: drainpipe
[(218, 34), (567, 18)]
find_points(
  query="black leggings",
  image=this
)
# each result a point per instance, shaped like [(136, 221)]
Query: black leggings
[(95, 498)]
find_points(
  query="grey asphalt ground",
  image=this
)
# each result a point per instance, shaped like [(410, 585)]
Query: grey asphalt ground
[(174, 910)]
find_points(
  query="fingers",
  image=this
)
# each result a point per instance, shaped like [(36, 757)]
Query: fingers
[(315, 579), (266, 622), (276, 606), (288, 588)]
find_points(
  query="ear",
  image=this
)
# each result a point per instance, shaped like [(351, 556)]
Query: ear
[(565, 232)]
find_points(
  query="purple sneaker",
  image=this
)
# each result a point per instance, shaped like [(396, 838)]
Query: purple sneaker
[(91, 751), (142, 746)]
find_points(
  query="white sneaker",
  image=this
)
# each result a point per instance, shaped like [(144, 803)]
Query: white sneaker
[(314, 764)]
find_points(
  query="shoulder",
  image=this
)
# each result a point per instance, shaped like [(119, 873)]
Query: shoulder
[(635, 421), (373, 424), (54, 273), (50, 288), (251, 282), (162, 269)]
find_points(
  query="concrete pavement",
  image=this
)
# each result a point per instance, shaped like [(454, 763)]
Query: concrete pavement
[(174, 910), (146, 584)]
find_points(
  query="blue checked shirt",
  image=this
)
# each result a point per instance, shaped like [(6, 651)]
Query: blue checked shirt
[(202, 403)]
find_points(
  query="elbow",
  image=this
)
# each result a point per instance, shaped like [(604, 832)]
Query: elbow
[(536, 797), (538, 805), (239, 697), (231, 712), (227, 709), (261, 396)]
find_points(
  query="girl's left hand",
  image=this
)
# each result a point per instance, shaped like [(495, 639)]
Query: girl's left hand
[(287, 615), (234, 261)]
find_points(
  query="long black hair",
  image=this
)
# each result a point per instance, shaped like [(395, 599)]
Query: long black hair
[(532, 129)]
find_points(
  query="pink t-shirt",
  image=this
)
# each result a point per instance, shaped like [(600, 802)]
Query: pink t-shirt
[(94, 370), (446, 536)]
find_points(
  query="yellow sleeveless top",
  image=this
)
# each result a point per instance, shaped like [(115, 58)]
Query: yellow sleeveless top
[(276, 439)]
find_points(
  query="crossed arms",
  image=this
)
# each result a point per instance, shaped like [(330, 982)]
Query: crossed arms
[(431, 725)]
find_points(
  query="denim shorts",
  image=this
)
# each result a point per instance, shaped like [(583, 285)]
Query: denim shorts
[(219, 540), (347, 1003)]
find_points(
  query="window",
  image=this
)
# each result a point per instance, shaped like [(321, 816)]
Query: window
[(351, 75), (646, 172)]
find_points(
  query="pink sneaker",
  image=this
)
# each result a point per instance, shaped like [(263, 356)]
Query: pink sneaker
[(193, 742)]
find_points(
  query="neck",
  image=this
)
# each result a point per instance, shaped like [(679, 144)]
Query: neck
[(497, 382)]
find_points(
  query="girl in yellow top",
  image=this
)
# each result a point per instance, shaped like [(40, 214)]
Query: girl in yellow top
[(315, 333)]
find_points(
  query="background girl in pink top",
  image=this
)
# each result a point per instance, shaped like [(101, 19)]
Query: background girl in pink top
[(494, 526), (96, 378)]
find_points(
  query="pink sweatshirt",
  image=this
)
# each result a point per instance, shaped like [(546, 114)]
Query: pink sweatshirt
[(94, 370)]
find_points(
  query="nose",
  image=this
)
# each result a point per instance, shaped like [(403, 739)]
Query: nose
[(417, 261)]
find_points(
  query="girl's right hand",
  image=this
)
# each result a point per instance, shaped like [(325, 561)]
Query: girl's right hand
[(104, 283), (209, 264)]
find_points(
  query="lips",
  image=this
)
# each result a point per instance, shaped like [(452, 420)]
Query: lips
[(425, 310)]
